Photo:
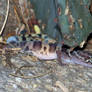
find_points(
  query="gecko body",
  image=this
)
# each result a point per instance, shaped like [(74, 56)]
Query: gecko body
[(48, 51)]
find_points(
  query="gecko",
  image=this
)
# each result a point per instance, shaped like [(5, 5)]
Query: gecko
[(45, 50)]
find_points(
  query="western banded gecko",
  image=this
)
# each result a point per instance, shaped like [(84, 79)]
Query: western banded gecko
[(49, 51)]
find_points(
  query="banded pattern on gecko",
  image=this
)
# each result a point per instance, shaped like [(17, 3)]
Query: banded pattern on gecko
[(49, 51)]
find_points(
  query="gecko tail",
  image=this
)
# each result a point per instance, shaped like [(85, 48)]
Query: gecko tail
[(83, 58), (76, 60), (83, 63)]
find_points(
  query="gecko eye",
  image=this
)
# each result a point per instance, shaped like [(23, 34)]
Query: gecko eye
[(23, 38), (31, 39)]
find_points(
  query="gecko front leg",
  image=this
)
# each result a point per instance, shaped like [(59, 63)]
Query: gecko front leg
[(58, 52)]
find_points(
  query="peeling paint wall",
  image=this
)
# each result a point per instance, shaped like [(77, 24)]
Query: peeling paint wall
[(75, 20)]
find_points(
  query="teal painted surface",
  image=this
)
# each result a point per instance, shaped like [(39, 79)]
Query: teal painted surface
[(78, 10), (46, 11)]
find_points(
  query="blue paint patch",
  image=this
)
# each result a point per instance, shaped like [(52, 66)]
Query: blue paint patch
[(12, 39)]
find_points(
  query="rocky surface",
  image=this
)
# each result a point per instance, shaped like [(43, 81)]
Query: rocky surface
[(68, 78)]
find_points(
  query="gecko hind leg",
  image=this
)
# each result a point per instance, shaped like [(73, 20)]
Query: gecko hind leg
[(69, 52)]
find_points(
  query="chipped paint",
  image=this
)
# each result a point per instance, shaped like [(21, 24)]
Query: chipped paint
[(71, 27), (71, 19), (82, 44), (67, 9), (80, 23), (59, 11)]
